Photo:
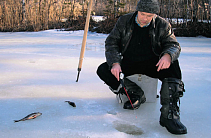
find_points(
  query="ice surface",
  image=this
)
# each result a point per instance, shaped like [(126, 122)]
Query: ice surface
[(38, 72)]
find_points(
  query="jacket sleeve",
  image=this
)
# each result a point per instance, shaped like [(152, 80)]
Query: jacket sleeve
[(112, 45), (169, 43)]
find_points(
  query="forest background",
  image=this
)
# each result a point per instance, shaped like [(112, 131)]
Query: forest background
[(187, 17)]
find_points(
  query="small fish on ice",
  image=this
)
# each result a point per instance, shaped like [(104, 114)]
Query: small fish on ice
[(30, 116), (71, 103)]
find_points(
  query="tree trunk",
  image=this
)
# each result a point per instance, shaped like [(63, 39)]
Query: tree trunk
[(96, 1), (186, 23), (169, 7), (210, 8), (23, 12), (3, 14), (191, 10), (115, 3), (83, 8), (196, 11), (161, 7)]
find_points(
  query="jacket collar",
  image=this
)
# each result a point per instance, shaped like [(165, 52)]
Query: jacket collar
[(132, 19)]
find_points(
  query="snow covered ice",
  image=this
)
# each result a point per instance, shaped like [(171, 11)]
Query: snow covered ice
[(38, 73)]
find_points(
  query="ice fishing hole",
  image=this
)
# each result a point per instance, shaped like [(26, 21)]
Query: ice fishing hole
[(127, 128)]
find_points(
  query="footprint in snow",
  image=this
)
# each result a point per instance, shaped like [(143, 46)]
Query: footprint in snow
[(112, 112)]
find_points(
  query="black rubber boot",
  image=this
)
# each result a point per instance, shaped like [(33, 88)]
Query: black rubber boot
[(135, 93), (136, 102), (172, 89)]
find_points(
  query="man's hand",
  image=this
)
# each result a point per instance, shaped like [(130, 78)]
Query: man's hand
[(115, 70), (164, 62)]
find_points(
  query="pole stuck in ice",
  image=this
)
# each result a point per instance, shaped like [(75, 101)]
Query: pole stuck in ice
[(84, 39)]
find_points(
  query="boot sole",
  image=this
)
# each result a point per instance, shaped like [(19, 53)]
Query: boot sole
[(143, 101), (176, 133)]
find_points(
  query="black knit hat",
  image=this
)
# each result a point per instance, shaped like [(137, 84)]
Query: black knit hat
[(149, 6)]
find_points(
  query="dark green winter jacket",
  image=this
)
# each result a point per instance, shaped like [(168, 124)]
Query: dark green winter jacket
[(163, 39)]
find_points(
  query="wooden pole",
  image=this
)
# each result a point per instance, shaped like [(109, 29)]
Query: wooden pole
[(84, 39)]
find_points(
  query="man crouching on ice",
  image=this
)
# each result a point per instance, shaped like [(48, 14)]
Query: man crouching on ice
[(144, 43)]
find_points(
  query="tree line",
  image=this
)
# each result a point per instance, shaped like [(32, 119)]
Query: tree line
[(36, 15)]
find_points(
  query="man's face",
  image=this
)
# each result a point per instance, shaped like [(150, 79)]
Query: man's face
[(144, 18)]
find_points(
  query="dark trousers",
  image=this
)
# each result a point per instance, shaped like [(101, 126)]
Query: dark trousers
[(146, 68)]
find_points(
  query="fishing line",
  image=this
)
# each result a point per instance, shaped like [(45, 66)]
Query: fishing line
[(121, 76)]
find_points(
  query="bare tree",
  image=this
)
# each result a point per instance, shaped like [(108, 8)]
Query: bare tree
[(23, 12), (210, 8)]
